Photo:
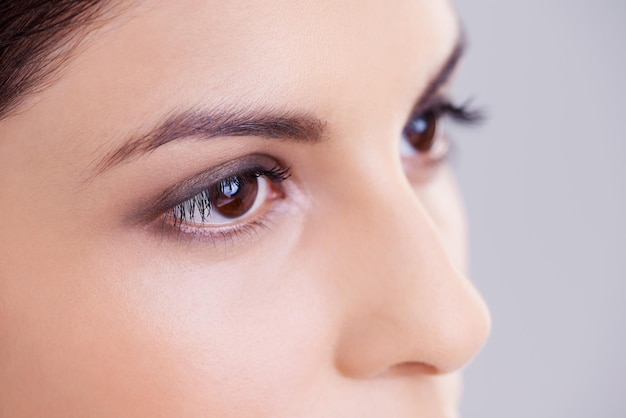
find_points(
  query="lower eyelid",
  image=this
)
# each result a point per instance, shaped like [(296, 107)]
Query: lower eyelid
[(233, 236), (420, 169)]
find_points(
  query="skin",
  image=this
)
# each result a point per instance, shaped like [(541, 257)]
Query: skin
[(351, 301)]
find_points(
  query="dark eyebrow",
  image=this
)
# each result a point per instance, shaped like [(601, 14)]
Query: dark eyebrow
[(443, 75), (269, 124)]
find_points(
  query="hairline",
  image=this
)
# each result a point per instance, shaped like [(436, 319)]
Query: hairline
[(37, 77)]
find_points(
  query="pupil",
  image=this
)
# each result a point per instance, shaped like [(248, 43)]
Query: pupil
[(235, 197)]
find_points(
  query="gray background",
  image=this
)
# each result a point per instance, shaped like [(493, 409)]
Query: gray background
[(545, 185)]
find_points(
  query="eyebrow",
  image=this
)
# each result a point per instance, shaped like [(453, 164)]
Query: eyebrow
[(206, 124), (445, 72), (249, 122)]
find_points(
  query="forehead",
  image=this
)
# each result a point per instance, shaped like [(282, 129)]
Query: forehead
[(324, 57)]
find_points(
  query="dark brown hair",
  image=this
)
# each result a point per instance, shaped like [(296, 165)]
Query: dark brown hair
[(36, 38)]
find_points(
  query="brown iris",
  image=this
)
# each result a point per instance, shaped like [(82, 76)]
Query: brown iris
[(234, 197), (421, 132)]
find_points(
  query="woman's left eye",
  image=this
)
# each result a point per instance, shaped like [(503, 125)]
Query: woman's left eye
[(424, 133)]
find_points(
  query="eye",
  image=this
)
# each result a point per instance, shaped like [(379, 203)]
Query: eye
[(424, 134), (234, 200), (227, 202)]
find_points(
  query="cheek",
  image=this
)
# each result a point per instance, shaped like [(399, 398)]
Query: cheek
[(199, 336), (119, 330)]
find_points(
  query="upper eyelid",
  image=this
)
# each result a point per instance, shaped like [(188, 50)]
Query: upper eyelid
[(436, 100)]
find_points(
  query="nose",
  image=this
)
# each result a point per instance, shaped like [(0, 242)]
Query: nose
[(409, 309)]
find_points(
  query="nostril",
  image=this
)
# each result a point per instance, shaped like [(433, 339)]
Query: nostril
[(410, 368)]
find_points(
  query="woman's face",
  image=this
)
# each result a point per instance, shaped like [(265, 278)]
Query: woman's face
[(231, 209)]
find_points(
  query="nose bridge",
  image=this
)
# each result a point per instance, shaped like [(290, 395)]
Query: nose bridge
[(409, 304)]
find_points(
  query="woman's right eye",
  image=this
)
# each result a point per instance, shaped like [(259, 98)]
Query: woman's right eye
[(227, 202), (233, 201)]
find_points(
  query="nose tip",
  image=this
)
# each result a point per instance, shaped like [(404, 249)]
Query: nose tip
[(437, 329), (450, 329), (411, 309)]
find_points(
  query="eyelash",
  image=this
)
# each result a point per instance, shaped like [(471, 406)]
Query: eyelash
[(463, 113), (178, 218)]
